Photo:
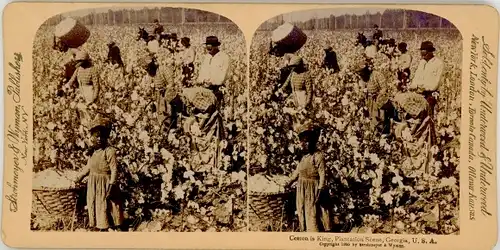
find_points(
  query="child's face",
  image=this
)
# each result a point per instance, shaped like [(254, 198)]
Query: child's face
[(95, 138), (304, 142)]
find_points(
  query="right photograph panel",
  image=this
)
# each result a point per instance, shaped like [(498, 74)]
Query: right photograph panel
[(355, 122)]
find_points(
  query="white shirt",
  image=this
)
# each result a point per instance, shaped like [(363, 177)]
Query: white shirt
[(371, 51), (153, 46), (214, 69), (428, 74), (188, 55), (404, 61)]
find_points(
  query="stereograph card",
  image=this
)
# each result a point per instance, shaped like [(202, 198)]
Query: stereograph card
[(250, 126)]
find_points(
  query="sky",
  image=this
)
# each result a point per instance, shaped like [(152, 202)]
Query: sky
[(320, 13)]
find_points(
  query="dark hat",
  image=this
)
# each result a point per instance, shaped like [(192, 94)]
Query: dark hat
[(375, 26), (185, 41), (156, 21), (328, 48), (402, 46), (427, 46), (173, 36), (212, 40)]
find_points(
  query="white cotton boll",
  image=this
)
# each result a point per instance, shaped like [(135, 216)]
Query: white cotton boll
[(260, 131), (51, 179), (134, 96)]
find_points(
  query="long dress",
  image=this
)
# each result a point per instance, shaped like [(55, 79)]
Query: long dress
[(313, 216), (302, 89), (103, 212), (89, 88)]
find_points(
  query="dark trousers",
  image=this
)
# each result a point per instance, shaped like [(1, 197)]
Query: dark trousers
[(390, 112)]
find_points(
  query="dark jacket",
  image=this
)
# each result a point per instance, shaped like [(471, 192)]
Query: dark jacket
[(330, 61), (158, 29), (114, 56), (377, 35)]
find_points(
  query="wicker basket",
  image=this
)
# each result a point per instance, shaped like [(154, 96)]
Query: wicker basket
[(268, 206), (54, 202)]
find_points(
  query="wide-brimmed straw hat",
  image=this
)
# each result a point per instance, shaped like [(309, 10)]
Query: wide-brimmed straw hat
[(82, 56), (295, 61), (100, 122), (305, 126), (145, 61)]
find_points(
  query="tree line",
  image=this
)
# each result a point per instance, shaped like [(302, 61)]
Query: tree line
[(165, 15), (389, 19)]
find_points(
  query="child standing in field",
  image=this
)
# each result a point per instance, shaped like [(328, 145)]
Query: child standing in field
[(310, 173), (104, 208)]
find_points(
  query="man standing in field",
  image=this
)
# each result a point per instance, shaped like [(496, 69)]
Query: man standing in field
[(426, 83), (428, 75), (214, 69)]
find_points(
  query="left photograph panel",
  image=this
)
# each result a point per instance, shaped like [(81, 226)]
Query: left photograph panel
[(139, 122)]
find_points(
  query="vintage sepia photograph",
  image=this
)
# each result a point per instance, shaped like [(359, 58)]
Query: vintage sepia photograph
[(355, 122), (138, 122)]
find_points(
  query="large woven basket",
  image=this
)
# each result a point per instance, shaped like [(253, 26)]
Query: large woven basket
[(268, 206), (54, 202), (198, 97), (411, 102)]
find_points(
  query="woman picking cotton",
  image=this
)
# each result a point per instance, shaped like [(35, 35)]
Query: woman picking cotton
[(301, 83), (86, 77), (103, 204), (310, 177), (88, 82)]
